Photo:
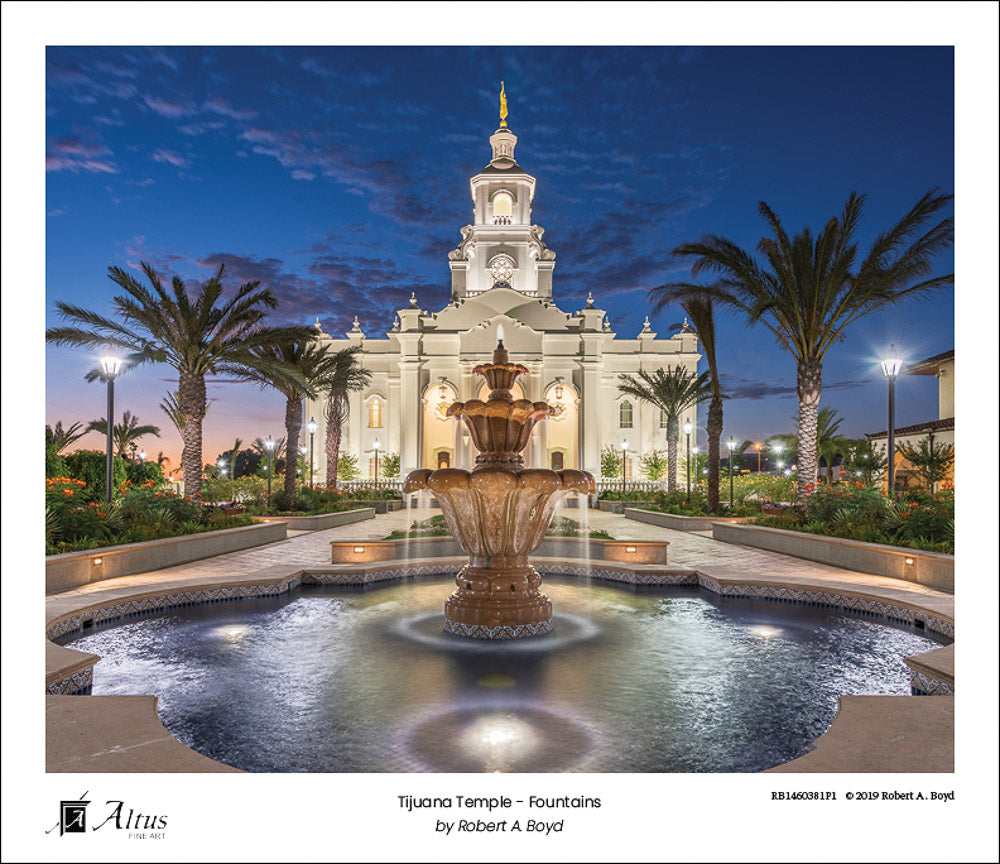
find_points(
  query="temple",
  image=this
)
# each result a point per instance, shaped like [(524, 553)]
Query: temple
[(502, 275)]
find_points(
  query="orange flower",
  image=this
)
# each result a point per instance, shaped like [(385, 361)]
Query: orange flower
[(68, 493)]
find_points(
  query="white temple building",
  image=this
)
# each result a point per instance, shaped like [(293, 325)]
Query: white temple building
[(501, 277)]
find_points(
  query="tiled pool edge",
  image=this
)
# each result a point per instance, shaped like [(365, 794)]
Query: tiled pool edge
[(68, 679)]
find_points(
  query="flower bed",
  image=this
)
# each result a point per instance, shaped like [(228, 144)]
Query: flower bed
[(852, 511), (77, 518)]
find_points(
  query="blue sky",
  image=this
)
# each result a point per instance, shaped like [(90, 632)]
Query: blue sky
[(339, 177)]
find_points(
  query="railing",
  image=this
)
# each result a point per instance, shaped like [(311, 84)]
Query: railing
[(389, 485), (502, 220), (610, 484)]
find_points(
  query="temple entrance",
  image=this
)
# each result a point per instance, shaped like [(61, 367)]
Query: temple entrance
[(557, 460), (444, 459)]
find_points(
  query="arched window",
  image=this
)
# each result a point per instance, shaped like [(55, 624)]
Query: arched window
[(625, 415), (375, 414), (503, 204), (663, 419)]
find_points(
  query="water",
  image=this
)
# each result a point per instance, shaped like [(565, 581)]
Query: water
[(654, 680)]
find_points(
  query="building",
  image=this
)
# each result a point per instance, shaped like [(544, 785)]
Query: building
[(502, 278), (939, 431)]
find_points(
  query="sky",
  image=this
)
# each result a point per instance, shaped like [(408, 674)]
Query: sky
[(338, 176)]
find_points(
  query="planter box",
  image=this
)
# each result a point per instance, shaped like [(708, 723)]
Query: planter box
[(72, 569), (611, 506), (631, 551), (320, 521), (679, 523), (932, 569)]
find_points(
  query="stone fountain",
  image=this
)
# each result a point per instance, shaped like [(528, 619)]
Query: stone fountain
[(499, 511)]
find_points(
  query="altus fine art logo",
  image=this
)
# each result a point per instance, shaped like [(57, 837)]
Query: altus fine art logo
[(140, 826)]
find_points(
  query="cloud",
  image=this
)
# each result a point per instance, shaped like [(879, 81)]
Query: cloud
[(218, 105), (72, 153), (169, 108), (161, 154), (747, 389)]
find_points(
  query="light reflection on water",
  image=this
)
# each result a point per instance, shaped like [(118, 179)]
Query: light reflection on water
[(670, 679)]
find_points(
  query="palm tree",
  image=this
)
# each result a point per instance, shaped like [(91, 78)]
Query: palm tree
[(198, 336), (61, 438), (808, 290), (702, 315), (343, 376), (126, 433), (829, 442), (315, 362), (673, 391)]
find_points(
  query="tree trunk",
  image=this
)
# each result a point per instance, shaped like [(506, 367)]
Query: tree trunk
[(334, 412), (293, 427), (673, 427), (714, 429), (810, 386), (192, 404)]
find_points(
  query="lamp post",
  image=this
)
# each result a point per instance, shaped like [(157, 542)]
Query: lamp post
[(777, 447), (311, 426), (687, 465), (142, 456), (111, 366), (375, 447), (757, 447), (269, 444), (695, 451), (891, 366), (731, 443), (624, 451)]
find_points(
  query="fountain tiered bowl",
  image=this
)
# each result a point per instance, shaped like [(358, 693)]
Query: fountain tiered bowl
[(499, 511)]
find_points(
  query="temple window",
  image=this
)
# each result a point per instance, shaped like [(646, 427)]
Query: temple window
[(503, 208), (375, 414), (625, 415)]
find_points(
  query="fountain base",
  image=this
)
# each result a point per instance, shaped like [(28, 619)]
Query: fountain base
[(498, 603)]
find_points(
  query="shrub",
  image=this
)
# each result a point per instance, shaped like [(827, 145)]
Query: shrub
[(89, 466), (653, 464), (55, 465), (144, 473), (611, 462)]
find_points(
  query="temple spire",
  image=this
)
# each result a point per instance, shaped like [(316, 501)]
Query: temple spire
[(503, 107)]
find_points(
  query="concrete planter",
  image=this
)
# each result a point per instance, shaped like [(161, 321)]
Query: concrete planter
[(636, 552), (72, 569), (932, 569), (678, 523), (611, 506), (322, 520)]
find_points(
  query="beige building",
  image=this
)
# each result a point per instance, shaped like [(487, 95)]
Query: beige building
[(939, 431), (502, 278)]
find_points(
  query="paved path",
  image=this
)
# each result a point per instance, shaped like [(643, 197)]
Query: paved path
[(696, 550)]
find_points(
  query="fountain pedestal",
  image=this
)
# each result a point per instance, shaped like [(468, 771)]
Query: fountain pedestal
[(499, 512)]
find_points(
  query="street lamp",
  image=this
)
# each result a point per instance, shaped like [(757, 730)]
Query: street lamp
[(142, 456), (222, 466), (891, 367), (111, 366), (269, 444), (731, 443), (757, 446), (624, 451), (695, 451), (311, 426), (687, 465), (777, 447), (375, 447)]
